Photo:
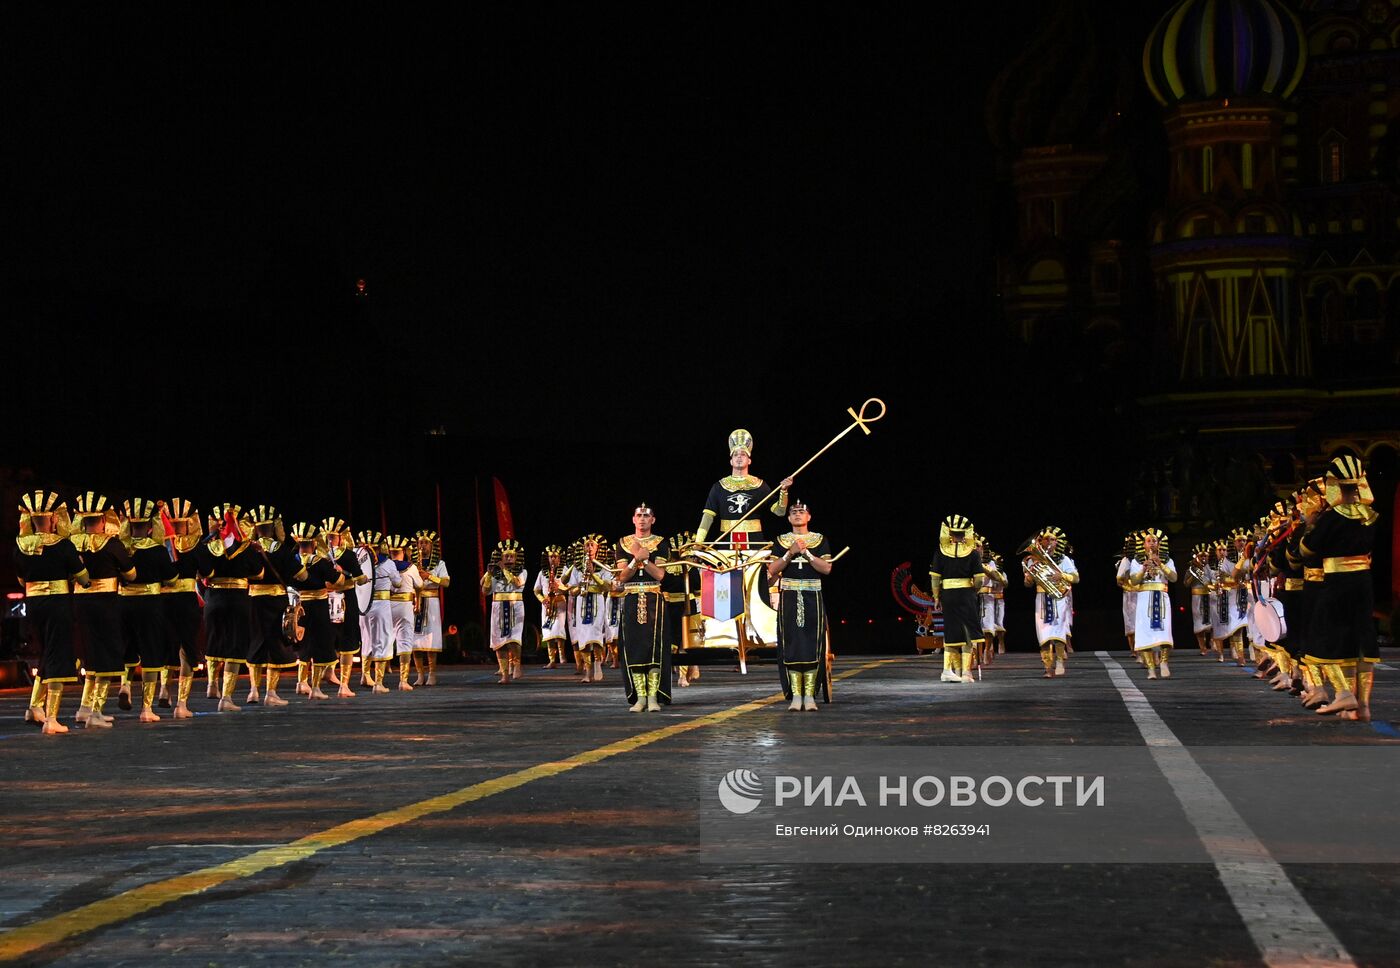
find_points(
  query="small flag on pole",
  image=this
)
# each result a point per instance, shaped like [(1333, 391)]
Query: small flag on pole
[(722, 594)]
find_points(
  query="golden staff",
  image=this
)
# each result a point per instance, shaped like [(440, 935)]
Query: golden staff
[(860, 420)]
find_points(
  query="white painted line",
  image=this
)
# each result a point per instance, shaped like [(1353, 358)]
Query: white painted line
[(1286, 930), (1385, 666)]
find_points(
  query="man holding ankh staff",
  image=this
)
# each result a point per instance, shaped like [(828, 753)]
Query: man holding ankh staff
[(640, 567), (805, 560)]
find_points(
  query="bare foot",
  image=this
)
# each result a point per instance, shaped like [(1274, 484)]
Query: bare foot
[(345, 693), (318, 694), (183, 712), (148, 715), (228, 706), (275, 700), (378, 688), (53, 726), (99, 722)]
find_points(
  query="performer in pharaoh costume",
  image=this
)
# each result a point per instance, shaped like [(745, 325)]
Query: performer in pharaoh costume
[(403, 604), (1150, 570), (48, 563), (640, 560), (954, 576), (148, 638), (1199, 579), (433, 570), (184, 613), (991, 602), (268, 649), (369, 552), (551, 590), (1342, 639), (344, 605), (226, 563), (802, 624), (1053, 575), (1125, 561), (504, 581), (589, 582), (314, 580), (97, 606)]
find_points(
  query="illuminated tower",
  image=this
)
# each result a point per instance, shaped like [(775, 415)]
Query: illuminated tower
[(1227, 251)]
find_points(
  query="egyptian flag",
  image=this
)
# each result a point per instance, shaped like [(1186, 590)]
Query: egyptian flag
[(722, 594)]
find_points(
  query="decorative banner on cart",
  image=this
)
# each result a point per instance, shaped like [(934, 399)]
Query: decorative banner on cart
[(722, 594)]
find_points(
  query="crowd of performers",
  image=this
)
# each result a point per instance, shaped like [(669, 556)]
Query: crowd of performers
[(1291, 595), (127, 595), (968, 581)]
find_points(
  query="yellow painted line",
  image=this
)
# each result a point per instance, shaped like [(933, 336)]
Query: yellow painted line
[(25, 940)]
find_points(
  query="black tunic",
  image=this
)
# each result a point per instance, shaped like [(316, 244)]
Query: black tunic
[(962, 621), (1288, 574), (318, 643), (730, 499), (48, 558), (143, 616), (99, 614), (642, 629), (227, 618), (1343, 625), (802, 622), (267, 646), (345, 636), (182, 610)]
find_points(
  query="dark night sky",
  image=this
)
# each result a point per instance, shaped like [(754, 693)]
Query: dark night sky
[(594, 244)]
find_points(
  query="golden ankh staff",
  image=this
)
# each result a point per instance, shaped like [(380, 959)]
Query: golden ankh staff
[(859, 420)]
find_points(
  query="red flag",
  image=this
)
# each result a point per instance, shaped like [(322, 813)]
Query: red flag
[(504, 525), (230, 531), (480, 547), (168, 527)]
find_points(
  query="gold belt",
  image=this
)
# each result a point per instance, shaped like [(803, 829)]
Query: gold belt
[(34, 589), (673, 597), (746, 526), (98, 585), (957, 582), (507, 597), (379, 596), (801, 584), (428, 593), (1313, 574), (179, 585), (641, 587), (1152, 586), (314, 595), (262, 591), (1293, 584), (407, 597), (131, 591), (228, 583), (1332, 566), (1200, 591)]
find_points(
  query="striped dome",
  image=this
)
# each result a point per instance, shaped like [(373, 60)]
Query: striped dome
[(1207, 49)]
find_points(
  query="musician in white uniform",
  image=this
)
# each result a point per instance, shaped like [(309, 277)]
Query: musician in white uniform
[(991, 600), (404, 602), (1231, 599), (505, 585), (1052, 616), (388, 581), (366, 552), (1198, 580), (433, 570), (588, 582), (551, 589), (1150, 571)]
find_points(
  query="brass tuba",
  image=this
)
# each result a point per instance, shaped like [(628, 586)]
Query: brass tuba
[(1044, 571)]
